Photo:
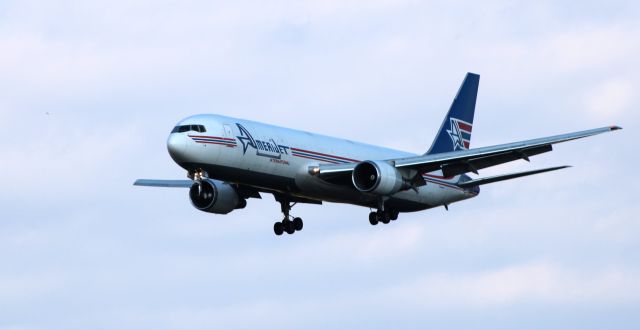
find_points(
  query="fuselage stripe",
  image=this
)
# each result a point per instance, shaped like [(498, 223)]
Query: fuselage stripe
[(315, 157), (325, 155), (214, 140), (325, 160), (212, 137), (220, 143), (296, 153)]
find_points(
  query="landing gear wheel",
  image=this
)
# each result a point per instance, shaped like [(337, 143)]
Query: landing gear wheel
[(393, 215), (383, 217), (373, 218), (278, 228), (288, 226), (297, 224)]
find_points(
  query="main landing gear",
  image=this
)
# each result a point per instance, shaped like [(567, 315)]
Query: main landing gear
[(289, 224), (384, 216)]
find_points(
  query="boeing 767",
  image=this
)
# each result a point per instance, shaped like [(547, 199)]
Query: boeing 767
[(230, 160)]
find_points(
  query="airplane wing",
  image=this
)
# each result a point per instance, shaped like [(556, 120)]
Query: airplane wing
[(464, 161), (243, 190), (164, 183)]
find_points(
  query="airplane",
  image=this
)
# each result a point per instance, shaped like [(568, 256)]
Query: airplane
[(229, 160)]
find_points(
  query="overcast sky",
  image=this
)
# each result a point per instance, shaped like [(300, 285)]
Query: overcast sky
[(89, 91)]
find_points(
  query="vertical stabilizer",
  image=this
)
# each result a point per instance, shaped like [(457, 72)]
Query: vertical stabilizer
[(455, 131)]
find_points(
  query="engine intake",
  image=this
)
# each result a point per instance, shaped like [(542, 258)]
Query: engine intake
[(215, 197), (377, 177)]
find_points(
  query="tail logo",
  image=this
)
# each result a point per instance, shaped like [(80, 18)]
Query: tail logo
[(460, 133)]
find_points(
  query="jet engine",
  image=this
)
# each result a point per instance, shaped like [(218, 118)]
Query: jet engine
[(377, 177), (215, 196)]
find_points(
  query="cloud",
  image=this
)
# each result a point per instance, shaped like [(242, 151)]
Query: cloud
[(610, 99), (539, 282), (82, 248)]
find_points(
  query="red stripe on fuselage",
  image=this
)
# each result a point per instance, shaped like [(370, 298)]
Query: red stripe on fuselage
[(325, 155), (212, 137), (322, 160), (220, 143)]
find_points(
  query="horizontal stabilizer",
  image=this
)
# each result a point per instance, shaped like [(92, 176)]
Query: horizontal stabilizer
[(164, 183), (503, 177)]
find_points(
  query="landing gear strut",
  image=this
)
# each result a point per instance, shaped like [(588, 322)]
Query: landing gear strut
[(289, 224)]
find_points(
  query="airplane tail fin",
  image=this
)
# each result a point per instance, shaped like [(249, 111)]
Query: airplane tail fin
[(455, 131)]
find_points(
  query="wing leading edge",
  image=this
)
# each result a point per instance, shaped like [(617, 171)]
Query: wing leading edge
[(164, 183), (472, 160)]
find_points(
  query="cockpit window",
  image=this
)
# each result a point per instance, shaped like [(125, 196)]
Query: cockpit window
[(187, 128)]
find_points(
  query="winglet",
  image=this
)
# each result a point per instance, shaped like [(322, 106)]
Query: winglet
[(615, 127)]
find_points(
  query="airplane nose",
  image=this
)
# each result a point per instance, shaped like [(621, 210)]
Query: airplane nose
[(177, 147)]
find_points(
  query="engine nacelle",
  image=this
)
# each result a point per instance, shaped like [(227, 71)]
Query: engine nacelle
[(377, 177), (215, 196)]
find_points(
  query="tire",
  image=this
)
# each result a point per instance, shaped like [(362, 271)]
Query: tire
[(394, 215), (288, 227), (383, 217), (278, 228), (297, 224), (373, 218)]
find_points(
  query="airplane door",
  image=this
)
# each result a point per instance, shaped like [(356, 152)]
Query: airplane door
[(231, 156), (227, 131)]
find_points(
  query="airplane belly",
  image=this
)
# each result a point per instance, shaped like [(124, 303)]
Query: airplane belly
[(312, 186), (315, 188)]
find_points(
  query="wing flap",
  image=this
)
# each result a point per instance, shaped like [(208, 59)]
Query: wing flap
[(475, 164), (497, 178)]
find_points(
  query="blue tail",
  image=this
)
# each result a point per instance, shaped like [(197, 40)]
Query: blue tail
[(455, 132)]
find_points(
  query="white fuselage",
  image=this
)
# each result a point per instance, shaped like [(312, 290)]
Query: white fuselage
[(277, 159)]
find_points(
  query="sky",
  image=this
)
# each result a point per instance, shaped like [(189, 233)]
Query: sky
[(89, 91)]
